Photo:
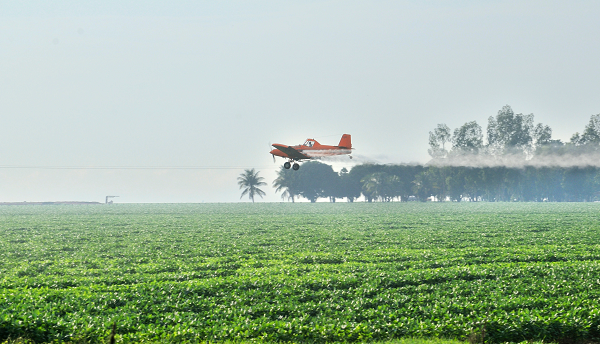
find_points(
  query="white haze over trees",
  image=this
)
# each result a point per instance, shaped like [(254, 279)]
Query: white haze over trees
[(514, 141)]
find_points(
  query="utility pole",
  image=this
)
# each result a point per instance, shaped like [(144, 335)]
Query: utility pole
[(107, 201)]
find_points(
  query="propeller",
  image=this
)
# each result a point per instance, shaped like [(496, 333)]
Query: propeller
[(270, 148)]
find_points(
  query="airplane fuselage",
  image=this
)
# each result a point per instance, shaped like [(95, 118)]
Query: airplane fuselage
[(312, 149), (310, 152)]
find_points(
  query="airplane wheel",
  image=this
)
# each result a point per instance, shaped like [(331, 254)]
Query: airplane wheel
[(287, 165), (296, 167)]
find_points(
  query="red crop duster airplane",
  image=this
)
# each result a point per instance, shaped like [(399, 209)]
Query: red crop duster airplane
[(311, 149)]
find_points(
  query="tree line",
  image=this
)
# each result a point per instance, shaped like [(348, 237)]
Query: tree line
[(509, 133), (521, 163), (386, 183)]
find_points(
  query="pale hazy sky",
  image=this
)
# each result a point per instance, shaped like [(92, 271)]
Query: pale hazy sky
[(211, 84)]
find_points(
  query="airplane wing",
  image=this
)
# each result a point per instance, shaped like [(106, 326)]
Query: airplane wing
[(291, 152)]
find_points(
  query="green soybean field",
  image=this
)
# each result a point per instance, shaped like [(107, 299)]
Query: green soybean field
[(301, 273)]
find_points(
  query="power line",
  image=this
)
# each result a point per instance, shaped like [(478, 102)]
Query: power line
[(133, 167)]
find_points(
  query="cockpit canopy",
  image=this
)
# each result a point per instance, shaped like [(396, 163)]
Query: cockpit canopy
[(310, 143)]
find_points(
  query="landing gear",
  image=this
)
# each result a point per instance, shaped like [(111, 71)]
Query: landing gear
[(288, 164)]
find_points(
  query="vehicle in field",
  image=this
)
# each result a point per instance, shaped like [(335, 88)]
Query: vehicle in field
[(311, 149)]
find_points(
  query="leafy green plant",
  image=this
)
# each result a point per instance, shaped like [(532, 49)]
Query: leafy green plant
[(300, 272)]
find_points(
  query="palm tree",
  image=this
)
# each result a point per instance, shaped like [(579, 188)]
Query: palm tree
[(287, 183), (250, 181)]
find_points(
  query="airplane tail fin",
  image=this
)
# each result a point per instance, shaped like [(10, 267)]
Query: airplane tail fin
[(345, 142)]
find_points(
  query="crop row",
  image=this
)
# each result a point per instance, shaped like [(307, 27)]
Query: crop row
[(307, 273)]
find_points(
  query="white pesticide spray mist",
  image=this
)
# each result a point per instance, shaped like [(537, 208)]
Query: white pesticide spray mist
[(564, 160)]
